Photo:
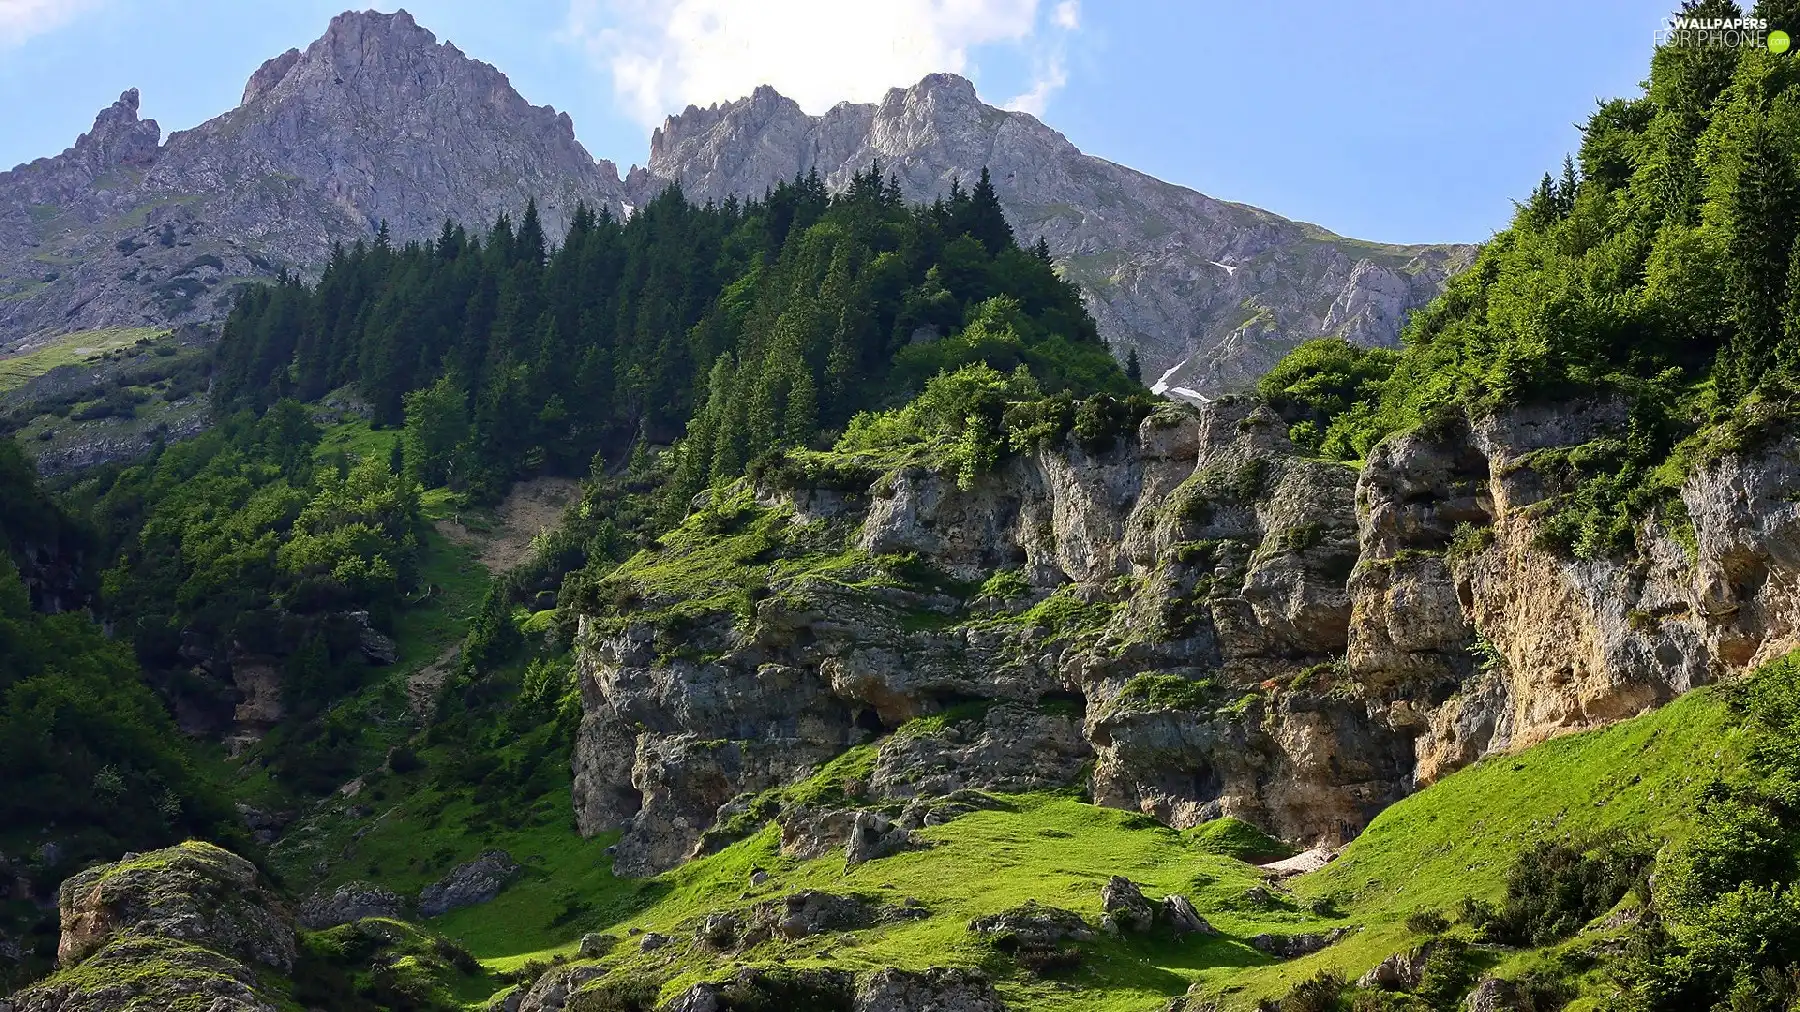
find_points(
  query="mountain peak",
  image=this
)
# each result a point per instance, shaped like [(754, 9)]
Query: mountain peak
[(945, 85), (358, 25), (118, 137)]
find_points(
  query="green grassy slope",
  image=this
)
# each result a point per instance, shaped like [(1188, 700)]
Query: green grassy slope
[(69, 349), (1455, 839)]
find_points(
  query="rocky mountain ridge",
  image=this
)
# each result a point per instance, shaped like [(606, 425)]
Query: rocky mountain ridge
[(374, 122), (1223, 626), (1211, 293), (377, 121)]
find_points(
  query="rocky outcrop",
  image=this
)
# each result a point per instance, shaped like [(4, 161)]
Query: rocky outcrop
[(188, 927), (349, 902), (1126, 910), (1295, 946), (1170, 589), (469, 883), (551, 992), (1210, 293), (940, 989), (1034, 924)]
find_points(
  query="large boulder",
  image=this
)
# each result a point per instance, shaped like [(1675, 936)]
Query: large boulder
[(194, 892), (191, 926), (469, 883), (349, 902)]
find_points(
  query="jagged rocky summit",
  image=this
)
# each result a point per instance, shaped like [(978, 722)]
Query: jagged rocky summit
[(377, 121), (1193, 622)]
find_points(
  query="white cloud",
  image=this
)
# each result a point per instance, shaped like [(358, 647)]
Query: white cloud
[(665, 54), (1049, 67), (22, 19), (1048, 77)]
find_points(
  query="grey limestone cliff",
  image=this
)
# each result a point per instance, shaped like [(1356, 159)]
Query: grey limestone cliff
[(1219, 625)]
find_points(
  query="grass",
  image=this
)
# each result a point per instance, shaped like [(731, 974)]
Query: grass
[(1050, 848), (357, 439), (70, 349), (1459, 837)]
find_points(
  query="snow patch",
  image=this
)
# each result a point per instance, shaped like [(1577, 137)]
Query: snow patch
[(1163, 383), (1229, 269)]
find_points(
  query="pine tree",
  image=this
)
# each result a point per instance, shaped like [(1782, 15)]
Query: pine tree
[(1565, 189), (986, 221), (1133, 371), (1761, 212), (801, 418)]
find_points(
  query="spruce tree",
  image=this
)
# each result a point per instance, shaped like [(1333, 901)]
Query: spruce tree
[(1761, 236), (1133, 371)]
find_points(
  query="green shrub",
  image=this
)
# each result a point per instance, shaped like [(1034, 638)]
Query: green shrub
[(631, 995), (1427, 922), (1556, 887), (1318, 993)]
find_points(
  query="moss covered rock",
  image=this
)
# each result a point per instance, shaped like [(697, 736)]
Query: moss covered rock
[(190, 927)]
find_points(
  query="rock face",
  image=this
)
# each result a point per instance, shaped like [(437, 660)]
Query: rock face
[(374, 122), (199, 915), (1225, 627), (1210, 293)]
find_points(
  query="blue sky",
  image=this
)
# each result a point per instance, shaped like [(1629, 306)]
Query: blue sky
[(1399, 121)]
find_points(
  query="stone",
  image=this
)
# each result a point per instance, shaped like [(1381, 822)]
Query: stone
[(940, 989), (194, 891), (1124, 908), (874, 836), (1012, 749), (349, 902), (469, 883), (1401, 971), (1177, 913), (200, 915), (551, 992), (377, 647), (719, 930), (651, 941), (594, 946), (812, 912), (1034, 925), (1295, 946), (265, 827)]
